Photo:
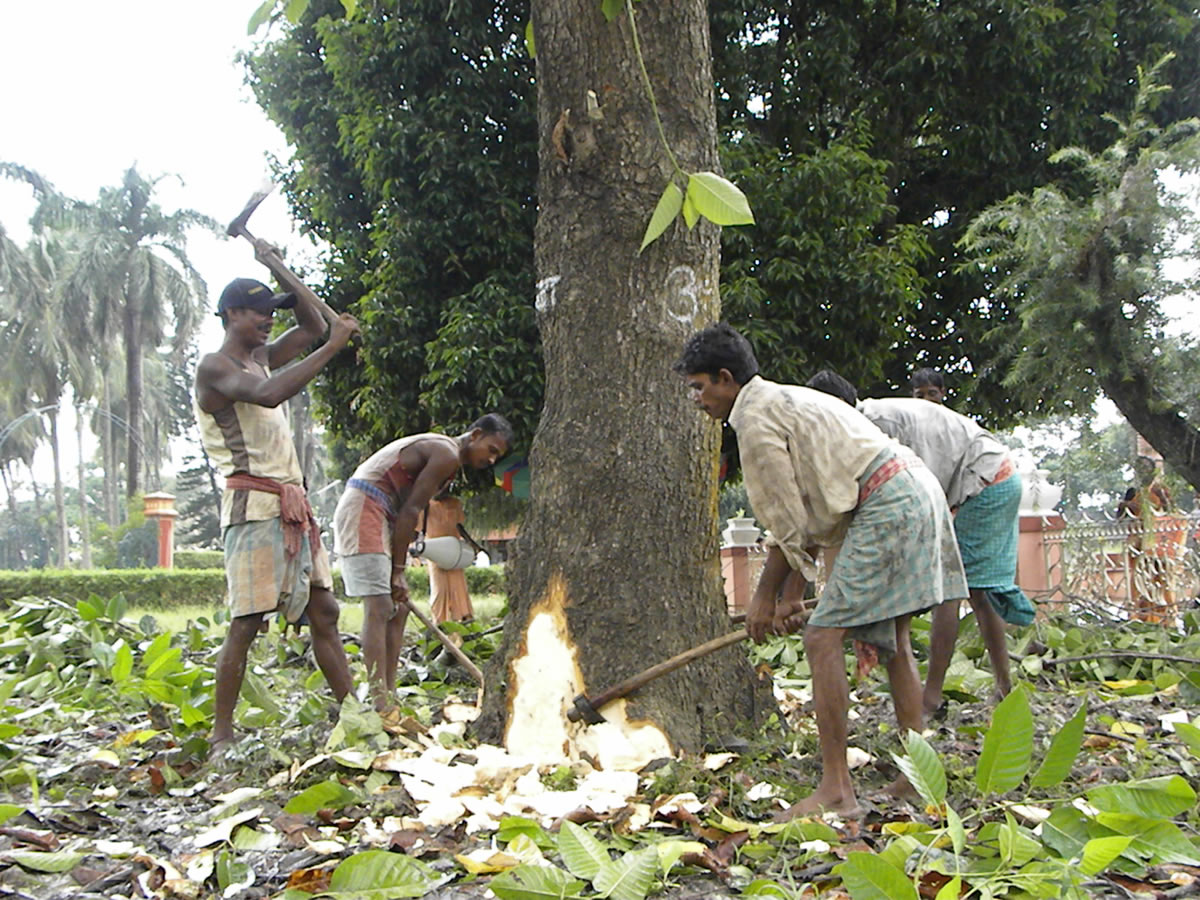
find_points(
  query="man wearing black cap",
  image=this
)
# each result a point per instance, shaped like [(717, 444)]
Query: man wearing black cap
[(274, 559)]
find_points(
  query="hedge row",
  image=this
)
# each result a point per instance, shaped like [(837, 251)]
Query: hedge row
[(199, 559), (165, 588)]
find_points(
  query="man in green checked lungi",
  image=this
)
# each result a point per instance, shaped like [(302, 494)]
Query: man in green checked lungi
[(819, 474), (984, 492)]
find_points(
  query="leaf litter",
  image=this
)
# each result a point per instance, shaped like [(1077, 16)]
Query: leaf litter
[(103, 757)]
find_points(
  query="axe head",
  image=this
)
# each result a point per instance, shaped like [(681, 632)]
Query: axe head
[(582, 708), (238, 225)]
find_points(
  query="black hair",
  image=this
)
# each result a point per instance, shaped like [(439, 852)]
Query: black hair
[(494, 423), (923, 377), (718, 347), (830, 382)]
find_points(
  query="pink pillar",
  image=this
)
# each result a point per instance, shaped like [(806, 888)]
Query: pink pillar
[(161, 506), (735, 570), (1039, 561)]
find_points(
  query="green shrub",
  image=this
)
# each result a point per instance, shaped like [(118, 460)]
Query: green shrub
[(165, 588), (486, 580), (199, 559), (150, 588)]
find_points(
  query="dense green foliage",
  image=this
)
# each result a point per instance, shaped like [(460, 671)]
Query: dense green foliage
[(187, 584), (1083, 259), (149, 588), (865, 135), (416, 160)]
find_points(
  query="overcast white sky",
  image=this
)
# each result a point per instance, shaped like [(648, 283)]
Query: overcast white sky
[(92, 88)]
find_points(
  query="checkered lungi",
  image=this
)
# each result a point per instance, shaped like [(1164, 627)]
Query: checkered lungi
[(260, 576), (899, 556), (987, 529)]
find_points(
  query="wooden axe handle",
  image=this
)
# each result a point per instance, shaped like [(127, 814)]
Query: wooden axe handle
[(325, 309), (455, 650), (631, 684)]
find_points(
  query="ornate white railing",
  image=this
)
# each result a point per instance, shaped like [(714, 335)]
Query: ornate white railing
[(1122, 568)]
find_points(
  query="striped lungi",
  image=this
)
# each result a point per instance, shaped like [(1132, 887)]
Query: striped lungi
[(987, 529), (260, 575), (899, 556)]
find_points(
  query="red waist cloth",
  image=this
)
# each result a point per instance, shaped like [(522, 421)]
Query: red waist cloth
[(883, 475), (1005, 472), (294, 509)]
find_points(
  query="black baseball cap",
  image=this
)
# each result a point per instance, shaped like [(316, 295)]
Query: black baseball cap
[(243, 293)]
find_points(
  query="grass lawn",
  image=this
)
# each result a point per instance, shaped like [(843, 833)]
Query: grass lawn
[(487, 607)]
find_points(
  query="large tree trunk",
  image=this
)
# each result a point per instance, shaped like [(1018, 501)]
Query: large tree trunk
[(1159, 420), (617, 566), (85, 530), (133, 394), (60, 506)]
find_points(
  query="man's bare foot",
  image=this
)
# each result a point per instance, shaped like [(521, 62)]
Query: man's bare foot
[(845, 805), (218, 747), (934, 710)]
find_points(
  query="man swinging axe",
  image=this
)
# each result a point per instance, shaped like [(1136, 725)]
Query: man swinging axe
[(274, 559)]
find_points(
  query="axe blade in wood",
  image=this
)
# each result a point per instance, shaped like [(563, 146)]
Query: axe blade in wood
[(588, 708)]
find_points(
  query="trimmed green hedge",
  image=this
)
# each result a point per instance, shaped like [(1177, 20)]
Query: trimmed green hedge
[(199, 559), (164, 588), (153, 588)]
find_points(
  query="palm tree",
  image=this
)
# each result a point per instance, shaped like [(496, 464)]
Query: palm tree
[(135, 274), (130, 271), (35, 350)]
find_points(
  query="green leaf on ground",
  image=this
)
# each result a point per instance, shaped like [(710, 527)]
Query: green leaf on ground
[(1063, 750), (718, 200), (122, 665), (920, 764), (630, 877), (59, 861), (1162, 797), (380, 875), (867, 877), (582, 853), (1099, 853), (511, 826), (326, 795), (1007, 746), (536, 883), (1190, 735)]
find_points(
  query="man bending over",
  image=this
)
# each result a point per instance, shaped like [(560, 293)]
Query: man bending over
[(376, 520), (819, 474)]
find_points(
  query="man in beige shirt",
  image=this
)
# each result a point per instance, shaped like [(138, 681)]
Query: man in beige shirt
[(819, 474)]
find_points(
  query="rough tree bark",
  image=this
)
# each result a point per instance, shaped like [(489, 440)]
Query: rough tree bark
[(619, 547)]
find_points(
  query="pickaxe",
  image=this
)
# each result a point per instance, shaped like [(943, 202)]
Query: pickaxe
[(237, 228), (588, 708)]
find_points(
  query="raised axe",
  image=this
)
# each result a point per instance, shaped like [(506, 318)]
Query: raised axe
[(237, 228), (588, 708)]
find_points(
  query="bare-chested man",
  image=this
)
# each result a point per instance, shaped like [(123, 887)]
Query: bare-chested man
[(273, 553)]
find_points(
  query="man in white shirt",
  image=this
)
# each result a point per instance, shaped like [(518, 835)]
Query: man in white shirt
[(983, 489), (819, 474)]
